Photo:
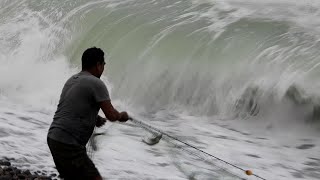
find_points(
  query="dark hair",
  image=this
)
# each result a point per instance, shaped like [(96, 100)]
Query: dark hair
[(91, 57)]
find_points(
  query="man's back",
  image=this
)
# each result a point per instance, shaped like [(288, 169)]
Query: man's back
[(75, 118)]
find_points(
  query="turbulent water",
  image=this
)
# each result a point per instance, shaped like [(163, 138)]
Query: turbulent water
[(236, 78)]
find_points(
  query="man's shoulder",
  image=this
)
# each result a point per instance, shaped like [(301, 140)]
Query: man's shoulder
[(90, 80), (93, 79)]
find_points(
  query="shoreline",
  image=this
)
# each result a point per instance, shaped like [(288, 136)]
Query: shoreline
[(8, 172)]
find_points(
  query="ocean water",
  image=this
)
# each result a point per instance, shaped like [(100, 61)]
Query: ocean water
[(238, 79)]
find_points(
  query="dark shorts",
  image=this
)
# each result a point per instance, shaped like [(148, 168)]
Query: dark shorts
[(72, 162)]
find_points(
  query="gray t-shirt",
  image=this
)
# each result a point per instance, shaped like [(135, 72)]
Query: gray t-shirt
[(75, 118)]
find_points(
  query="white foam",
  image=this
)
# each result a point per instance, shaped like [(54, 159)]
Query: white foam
[(299, 13), (30, 73)]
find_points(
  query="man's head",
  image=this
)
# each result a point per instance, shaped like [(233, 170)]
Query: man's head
[(93, 61)]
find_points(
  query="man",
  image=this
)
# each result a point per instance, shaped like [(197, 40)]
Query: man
[(77, 114)]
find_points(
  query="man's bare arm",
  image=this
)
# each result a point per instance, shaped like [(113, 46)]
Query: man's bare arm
[(111, 113)]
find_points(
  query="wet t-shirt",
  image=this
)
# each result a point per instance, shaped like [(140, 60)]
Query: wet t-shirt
[(75, 118)]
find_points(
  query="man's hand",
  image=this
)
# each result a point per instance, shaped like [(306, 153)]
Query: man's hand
[(100, 121), (111, 113), (124, 116)]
